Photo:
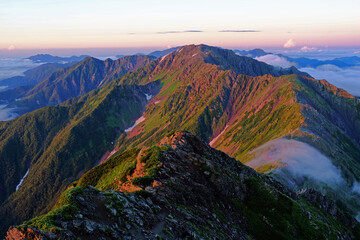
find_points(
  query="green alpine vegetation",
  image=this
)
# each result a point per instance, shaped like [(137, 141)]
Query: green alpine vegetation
[(60, 143)]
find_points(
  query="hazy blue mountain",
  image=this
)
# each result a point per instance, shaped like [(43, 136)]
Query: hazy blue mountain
[(162, 53), (47, 58), (257, 52)]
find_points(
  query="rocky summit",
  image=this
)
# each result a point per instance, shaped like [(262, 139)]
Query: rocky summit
[(184, 189)]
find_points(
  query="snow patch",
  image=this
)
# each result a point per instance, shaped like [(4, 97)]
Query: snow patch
[(148, 97), (100, 83), (112, 153), (163, 57), (21, 181), (218, 136), (194, 55), (139, 120)]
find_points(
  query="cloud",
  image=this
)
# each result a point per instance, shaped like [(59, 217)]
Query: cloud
[(346, 78), (308, 49), (239, 31), (302, 162), (11, 48), (276, 61), (290, 43), (7, 113)]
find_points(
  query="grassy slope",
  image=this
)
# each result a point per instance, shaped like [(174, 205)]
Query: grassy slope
[(203, 98), (247, 112), (57, 159)]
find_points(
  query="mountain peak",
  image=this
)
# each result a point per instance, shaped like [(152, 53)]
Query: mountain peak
[(224, 59)]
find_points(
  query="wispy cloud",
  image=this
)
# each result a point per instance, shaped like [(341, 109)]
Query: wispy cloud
[(238, 31)]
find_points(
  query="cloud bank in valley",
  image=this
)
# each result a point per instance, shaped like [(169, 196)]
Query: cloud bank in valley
[(346, 78), (10, 67), (275, 60), (7, 113), (301, 160)]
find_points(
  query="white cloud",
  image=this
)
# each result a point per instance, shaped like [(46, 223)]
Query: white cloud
[(290, 43), (302, 161), (275, 60), (7, 113), (11, 48), (308, 49), (346, 78)]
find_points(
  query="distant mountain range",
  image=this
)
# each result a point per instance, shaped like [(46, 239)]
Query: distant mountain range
[(127, 113), (47, 58), (162, 53), (61, 83)]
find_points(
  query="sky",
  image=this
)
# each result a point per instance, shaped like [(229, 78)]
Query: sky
[(142, 25)]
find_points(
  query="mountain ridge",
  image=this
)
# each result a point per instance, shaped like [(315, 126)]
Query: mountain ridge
[(205, 90), (189, 191)]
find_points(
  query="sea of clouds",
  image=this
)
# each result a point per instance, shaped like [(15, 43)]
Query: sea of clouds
[(346, 78), (11, 67)]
